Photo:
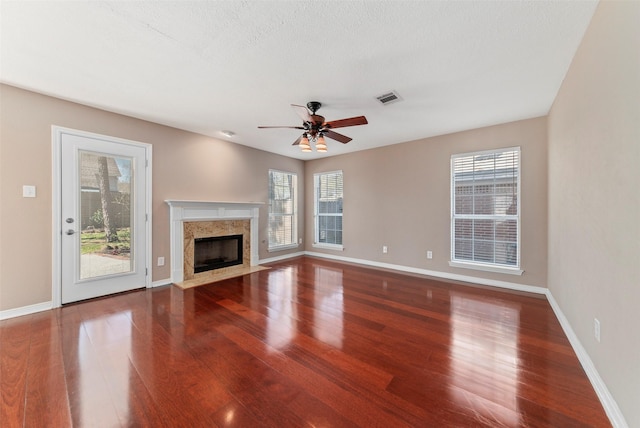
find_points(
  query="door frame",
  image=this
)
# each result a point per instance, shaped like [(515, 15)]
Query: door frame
[(56, 206)]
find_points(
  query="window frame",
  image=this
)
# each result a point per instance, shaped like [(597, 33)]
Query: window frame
[(316, 214), (294, 215), (478, 265)]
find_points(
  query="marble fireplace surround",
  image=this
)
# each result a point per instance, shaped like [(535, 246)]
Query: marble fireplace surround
[(181, 212)]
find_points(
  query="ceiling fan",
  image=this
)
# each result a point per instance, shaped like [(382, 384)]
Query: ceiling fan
[(315, 128)]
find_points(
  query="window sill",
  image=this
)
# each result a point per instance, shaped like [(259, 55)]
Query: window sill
[(282, 248), (329, 247), (487, 268)]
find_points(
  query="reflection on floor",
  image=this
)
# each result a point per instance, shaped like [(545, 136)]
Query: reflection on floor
[(307, 343)]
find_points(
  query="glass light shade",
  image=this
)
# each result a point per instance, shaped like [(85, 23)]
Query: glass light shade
[(304, 144), (321, 146)]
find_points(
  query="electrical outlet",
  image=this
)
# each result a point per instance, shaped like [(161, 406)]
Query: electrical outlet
[(160, 261), (300, 241), (384, 249), (596, 329), (429, 254)]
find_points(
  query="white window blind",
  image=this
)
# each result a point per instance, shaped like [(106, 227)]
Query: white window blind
[(485, 224), (283, 229), (328, 193)]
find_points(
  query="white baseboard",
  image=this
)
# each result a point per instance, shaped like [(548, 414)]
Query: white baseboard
[(283, 257), (25, 310), (608, 402), (161, 282), (445, 275)]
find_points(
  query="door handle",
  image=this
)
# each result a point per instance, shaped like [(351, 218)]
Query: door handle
[(70, 232)]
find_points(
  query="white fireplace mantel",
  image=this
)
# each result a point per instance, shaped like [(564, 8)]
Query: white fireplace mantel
[(181, 211)]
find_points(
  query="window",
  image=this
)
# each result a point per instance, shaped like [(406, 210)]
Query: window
[(328, 209), (485, 210), (283, 210)]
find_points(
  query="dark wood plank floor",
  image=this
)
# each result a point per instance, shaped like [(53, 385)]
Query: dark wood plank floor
[(308, 343)]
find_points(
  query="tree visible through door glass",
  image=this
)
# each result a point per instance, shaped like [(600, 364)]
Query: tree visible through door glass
[(105, 215)]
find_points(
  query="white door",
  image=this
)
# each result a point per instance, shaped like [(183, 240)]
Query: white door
[(102, 216)]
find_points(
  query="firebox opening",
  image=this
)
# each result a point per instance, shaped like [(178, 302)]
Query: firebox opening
[(217, 252)]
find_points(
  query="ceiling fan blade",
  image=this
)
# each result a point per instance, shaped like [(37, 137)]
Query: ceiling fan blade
[(298, 140), (302, 112), (289, 127), (352, 121), (335, 136)]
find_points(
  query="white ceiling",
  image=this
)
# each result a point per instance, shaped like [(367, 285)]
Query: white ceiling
[(208, 66)]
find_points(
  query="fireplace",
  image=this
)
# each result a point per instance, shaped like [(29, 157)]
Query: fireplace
[(192, 220), (217, 256), (216, 252)]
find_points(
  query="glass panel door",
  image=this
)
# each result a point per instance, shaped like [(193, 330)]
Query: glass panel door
[(103, 201), (105, 214)]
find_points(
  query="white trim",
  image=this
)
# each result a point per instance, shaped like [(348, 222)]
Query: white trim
[(452, 215), (161, 283), (56, 192), (316, 215), (487, 152), (487, 268), (149, 213), (282, 248), (438, 274), (56, 219), (608, 402), (323, 246), (25, 310), (294, 215), (282, 257)]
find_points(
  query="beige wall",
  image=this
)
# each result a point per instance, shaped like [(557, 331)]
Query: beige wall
[(407, 174), (594, 198), (399, 196), (185, 166)]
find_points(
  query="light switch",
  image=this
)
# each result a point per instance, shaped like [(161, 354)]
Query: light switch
[(28, 191)]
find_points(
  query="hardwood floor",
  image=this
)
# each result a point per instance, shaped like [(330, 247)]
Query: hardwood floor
[(308, 343)]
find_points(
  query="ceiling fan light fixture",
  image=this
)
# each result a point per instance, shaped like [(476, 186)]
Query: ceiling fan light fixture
[(314, 126), (321, 145), (304, 144)]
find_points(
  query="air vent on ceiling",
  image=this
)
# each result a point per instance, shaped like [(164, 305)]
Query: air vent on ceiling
[(388, 98)]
